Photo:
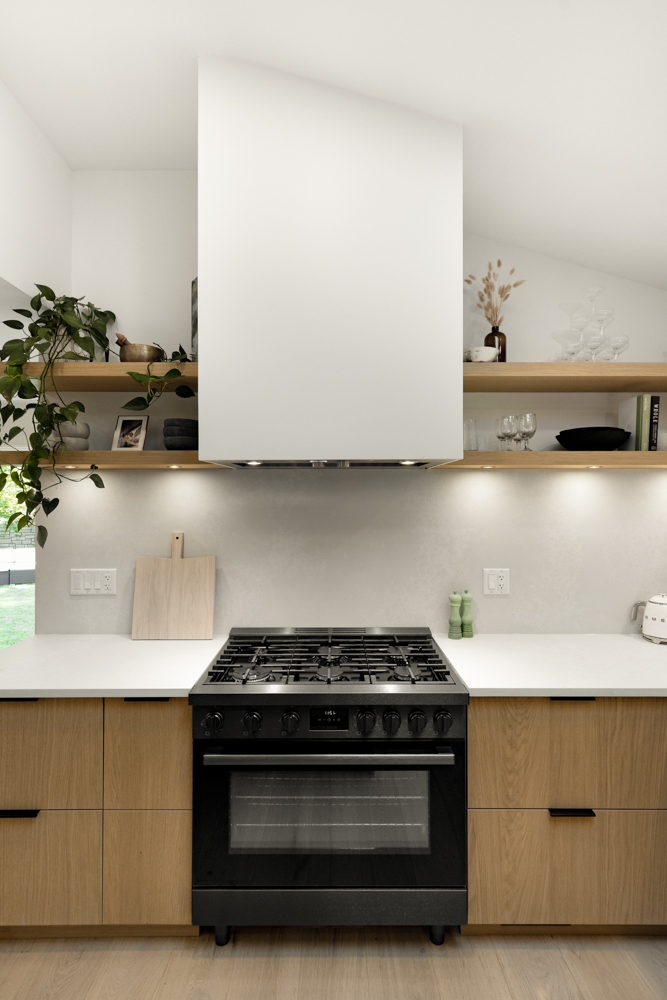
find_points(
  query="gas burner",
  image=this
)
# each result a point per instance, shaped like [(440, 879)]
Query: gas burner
[(408, 671), (330, 652), (330, 672), (399, 651), (255, 674)]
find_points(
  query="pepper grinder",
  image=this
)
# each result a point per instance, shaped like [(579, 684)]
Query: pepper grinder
[(455, 617), (466, 615)]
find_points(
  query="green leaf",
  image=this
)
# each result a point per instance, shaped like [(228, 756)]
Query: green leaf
[(43, 453), (173, 373), (75, 402), (46, 292), (17, 414), (15, 324), (139, 377), (8, 388), (27, 392), (72, 319), (138, 403), (71, 356), (36, 301), (23, 312), (48, 506), (42, 535), (70, 412), (13, 432), (22, 522), (13, 517), (97, 480), (184, 391)]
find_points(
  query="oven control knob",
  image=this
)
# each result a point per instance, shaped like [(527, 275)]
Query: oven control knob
[(290, 721), (213, 722), (391, 721), (252, 721), (417, 721), (366, 721), (442, 720)]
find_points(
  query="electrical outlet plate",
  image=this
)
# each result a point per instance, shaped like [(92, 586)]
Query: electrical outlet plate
[(92, 582), (497, 582)]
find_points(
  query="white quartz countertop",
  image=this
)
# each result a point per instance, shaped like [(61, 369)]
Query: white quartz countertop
[(559, 665), (103, 666)]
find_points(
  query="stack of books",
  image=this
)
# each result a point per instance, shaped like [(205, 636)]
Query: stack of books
[(640, 416)]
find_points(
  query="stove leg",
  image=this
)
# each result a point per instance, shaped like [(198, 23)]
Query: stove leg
[(222, 934), (436, 934)]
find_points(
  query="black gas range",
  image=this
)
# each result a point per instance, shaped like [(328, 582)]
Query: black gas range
[(329, 781)]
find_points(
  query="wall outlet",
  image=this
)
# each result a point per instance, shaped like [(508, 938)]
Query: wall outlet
[(497, 581), (92, 582)]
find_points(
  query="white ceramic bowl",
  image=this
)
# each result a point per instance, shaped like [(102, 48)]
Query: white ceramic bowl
[(484, 353)]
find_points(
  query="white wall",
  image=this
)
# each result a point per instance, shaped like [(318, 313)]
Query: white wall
[(369, 546), (532, 312), (35, 204), (135, 249)]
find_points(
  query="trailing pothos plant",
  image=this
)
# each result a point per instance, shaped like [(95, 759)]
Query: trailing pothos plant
[(156, 384), (59, 328)]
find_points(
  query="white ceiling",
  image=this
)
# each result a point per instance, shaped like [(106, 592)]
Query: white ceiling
[(563, 101)]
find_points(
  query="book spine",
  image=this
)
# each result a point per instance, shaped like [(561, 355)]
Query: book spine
[(638, 424), (653, 430)]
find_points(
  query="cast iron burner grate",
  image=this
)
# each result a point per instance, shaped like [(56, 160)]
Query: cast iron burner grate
[(314, 657)]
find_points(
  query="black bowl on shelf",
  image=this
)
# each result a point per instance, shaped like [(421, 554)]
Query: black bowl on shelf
[(592, 438)]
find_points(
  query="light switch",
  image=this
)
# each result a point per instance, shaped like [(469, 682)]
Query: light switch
[(497, 582), (92, 582)]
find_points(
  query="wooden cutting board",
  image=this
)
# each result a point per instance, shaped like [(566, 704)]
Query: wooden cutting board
[(174, 598)]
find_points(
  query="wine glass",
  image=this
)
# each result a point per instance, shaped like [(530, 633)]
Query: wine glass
[(512, 426), (618, 345), (501, 433), (527, 428)]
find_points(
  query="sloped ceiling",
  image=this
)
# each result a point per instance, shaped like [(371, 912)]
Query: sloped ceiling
[(562, 101)]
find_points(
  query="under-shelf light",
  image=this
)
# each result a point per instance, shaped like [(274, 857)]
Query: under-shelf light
[(407, 461), (254, 463), (174, 466)]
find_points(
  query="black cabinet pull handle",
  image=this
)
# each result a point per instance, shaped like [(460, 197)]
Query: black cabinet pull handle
[(18, 813), (571, 698), (19, 699), (581, 813), (145, 699)]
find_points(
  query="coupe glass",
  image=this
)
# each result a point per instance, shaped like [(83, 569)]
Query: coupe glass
[(618, 345), (527, 428), (592, 294)]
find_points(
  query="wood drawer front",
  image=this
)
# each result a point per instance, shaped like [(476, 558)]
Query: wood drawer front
[(147, 754), (51, 868), (51, 754), (527, 868), (147, 867), (531, 753)]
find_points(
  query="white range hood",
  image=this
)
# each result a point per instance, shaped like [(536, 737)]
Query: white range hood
[(330, 275)]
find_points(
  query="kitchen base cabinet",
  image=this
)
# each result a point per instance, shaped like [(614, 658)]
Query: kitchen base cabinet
[(51, 868), (526, 867), (147, 866)]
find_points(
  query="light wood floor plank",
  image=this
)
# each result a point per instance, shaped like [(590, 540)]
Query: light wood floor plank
[(347, 963)]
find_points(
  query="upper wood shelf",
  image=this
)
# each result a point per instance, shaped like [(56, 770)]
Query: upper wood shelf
[(123, 459), (100, 376), (560, 460), (528, 376)]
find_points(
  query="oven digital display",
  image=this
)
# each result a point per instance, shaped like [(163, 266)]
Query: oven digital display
[(334, 719)]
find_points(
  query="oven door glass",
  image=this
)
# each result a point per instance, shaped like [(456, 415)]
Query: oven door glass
[(260, 826)]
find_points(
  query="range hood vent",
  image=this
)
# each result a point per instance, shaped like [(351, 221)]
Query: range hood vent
[(330, 275)]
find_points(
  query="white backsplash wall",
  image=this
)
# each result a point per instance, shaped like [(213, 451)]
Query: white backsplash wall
[(369, 546)]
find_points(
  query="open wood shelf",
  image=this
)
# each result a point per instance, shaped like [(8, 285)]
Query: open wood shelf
[(560, 460), (100, 376), (528, 376), (124, 459)]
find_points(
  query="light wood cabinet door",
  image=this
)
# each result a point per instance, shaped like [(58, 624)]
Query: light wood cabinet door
[(528, 868), (147, 754), (51, 868), (51, 754), (535, 753), (147, 867)]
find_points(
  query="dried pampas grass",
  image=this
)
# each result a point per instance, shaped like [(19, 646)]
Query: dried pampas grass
[(491, 299)]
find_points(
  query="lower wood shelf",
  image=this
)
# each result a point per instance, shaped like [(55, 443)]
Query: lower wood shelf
[(560, 460), (118, 460)]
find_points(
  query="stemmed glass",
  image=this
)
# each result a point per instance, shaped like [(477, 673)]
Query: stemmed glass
[(592, 294), (506, 430), (527, 428), (618, 345)]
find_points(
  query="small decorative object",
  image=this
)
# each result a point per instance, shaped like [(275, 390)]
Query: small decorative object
[(139, 352), (492, 300), (592, 438), (181, 434), (466, 615), (455, 617), (194, 341), (70, 437), (586, 339), (130, 433), (484, 353)]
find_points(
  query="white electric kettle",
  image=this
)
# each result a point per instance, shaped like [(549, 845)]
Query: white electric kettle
[(654, 623)]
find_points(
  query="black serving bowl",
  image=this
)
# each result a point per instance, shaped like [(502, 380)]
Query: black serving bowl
[(592, 438)]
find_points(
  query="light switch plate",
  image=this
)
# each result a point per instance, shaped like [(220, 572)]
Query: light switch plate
[(497, 582), (92, 582)]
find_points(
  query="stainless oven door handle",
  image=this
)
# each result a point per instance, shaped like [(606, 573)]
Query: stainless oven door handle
[(241, 760)]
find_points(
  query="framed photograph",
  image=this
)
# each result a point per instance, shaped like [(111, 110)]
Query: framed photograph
[(130, 433)]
